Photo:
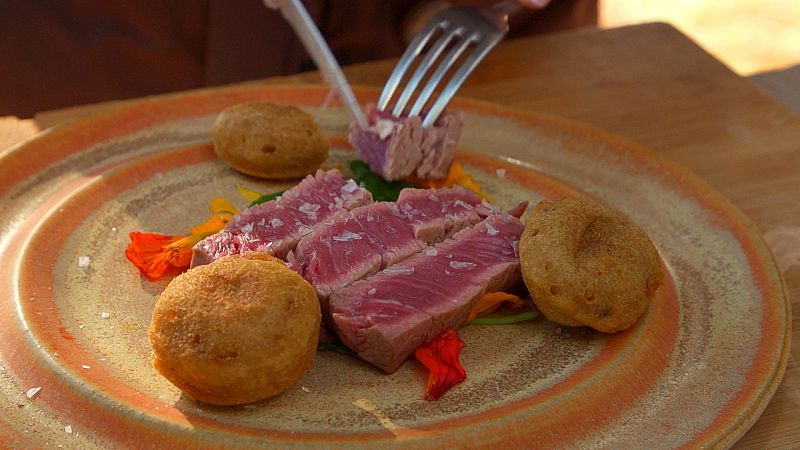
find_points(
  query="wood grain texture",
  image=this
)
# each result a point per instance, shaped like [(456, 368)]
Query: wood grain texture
[(653, 85)]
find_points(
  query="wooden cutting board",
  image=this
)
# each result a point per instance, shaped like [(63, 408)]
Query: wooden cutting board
[(652, 84)]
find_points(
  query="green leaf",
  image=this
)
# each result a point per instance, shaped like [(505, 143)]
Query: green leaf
[(381, 189), (265, 198), (339, 348), (506, 320)]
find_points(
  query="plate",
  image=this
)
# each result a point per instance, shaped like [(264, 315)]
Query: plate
[(697, 370)]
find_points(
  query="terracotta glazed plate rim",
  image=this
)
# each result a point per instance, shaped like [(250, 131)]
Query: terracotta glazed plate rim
[(735, 429)]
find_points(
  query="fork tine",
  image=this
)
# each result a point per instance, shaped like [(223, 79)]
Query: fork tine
[(414, 49), (458, 79), (437, 76), (427, 62)]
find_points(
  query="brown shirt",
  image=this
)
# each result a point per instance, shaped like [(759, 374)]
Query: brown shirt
[(58, 53)]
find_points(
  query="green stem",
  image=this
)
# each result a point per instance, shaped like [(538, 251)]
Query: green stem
[(506, 320)]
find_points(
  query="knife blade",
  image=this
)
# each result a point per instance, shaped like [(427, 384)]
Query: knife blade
[(296, 14)]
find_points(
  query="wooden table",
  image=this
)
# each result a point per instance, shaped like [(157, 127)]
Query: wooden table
[(653, 85)]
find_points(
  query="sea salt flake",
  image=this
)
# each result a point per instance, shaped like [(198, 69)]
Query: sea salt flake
[(289, 265), (85, 366), (275, 223), (33, 392), (463, 204), (247, 228), (105, 315), (347, 236), (68, 429), (383, 128), (407, 207), (113, 228), (309, 208), (430, 251), (372, 291), (83, 262), (500, 173), (447, 272), (462, 265), (515, 244), (493, 208), (304, 389), (349, 187), (490, 230), (304, 230), (262, 221), (398, 270)]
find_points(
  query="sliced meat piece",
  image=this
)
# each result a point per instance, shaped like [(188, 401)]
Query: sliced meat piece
[(358, 243), (276, 226), (398, 147), (385, 318), (437, 213)]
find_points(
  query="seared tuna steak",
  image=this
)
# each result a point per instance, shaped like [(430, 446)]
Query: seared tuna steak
[(355, 244), (276, 226), (397, 147), (385, 318)]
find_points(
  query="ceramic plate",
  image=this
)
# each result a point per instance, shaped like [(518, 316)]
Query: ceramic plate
[(697, 370)]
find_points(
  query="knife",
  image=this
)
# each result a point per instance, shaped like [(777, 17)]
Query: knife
[(295, 13)]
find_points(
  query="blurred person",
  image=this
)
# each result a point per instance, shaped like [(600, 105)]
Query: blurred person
[(59, 53)]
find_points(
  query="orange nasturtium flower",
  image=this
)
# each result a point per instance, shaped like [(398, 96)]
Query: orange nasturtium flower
[(457, 176), (440, 356), (491, 301), (155, 253)]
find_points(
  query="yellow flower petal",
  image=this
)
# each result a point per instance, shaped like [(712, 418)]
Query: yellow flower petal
[(221, 206), (248, 194)]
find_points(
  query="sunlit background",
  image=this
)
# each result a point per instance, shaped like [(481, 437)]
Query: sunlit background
[(749, 36)]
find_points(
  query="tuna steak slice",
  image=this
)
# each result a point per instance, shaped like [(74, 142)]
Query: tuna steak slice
[(397, 147), (356, 244), (276, 226), (386, 317)]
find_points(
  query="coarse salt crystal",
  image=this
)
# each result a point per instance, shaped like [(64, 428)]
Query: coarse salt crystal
[(309, 208), (347, 236), (68, 429), (399, 270), (515, 244), (430, 251), (490, 230), (304, 389), (447, 272), (289, 265), (349, 187), (33, 392), (492, 207), (262, 221), (304, 230), (501, 173), (83, 261), (383, 128), (113, 228), (372, 291), (275, 223), (105, 315), (462, 265), (247, 228), (85, 366), (462, 204)]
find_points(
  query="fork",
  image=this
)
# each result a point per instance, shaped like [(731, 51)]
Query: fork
[(459, 28)]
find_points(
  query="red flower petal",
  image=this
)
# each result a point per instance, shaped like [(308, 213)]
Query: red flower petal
[(440, 356), (154, 253)]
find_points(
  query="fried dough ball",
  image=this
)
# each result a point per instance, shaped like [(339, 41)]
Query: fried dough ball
[(586, 264), (269, 141), (238, 330)]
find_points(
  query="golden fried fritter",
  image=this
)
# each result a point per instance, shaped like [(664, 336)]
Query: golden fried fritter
[(238, 330), (269, 141), (586, 264)]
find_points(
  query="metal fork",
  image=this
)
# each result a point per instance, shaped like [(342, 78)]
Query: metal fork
[(458, 28)]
